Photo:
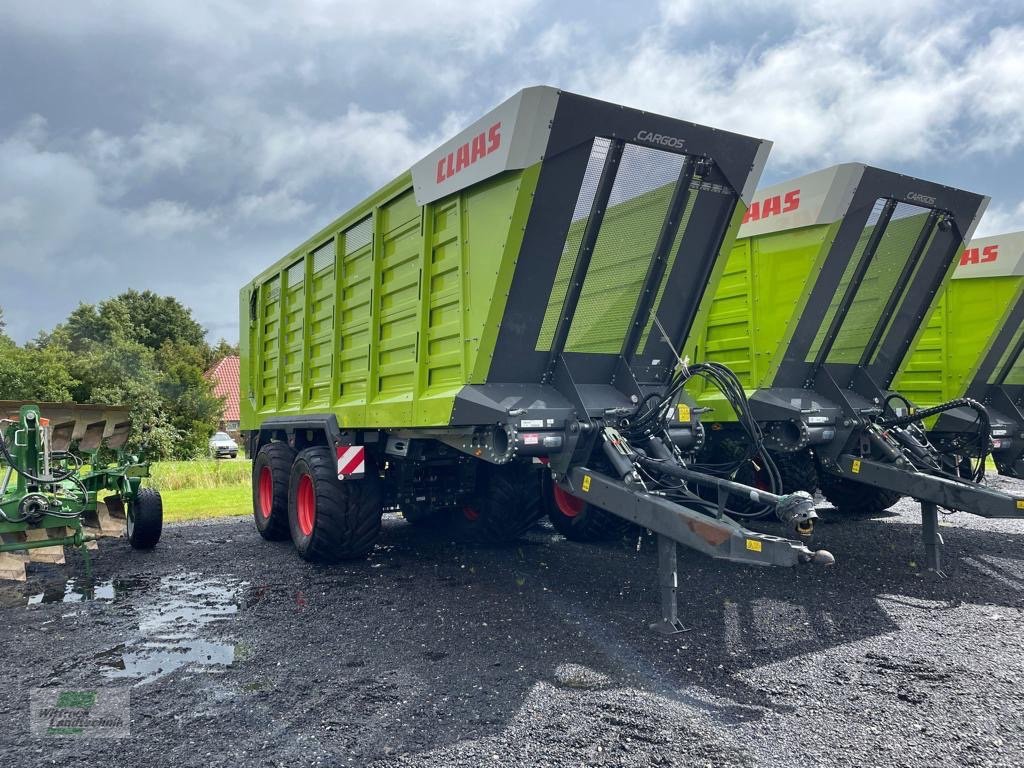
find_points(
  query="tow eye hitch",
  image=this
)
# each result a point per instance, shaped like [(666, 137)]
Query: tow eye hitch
[(797, 510)]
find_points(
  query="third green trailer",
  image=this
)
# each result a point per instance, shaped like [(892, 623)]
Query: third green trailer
[(973, 347), (823, 295)]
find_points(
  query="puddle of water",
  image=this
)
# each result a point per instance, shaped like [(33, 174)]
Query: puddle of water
[(171, 624), (77, 591)]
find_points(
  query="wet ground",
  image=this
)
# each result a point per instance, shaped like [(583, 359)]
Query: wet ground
[(235, 652)]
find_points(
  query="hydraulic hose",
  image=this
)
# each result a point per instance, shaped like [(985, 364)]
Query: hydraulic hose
[(963, 402), (984, 425)]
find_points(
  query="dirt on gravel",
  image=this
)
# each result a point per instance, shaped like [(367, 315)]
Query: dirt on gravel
[(235, 652)]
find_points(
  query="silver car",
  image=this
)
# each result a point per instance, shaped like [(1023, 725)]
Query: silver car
[(222, 445)]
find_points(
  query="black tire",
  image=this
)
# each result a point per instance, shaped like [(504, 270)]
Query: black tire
[(346, 514), (852, 498), (505, 505), (270, 510), (234, 455), (576, 519), (798, 471), (145, 519)]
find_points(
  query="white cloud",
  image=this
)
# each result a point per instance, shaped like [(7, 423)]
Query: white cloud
[(47, 199), (245, 124), (556, 41), (478, 27), (165, 218), (995, 82), (894, 86), (276, 206), (126, 161), (1001, 218), (297, 150)]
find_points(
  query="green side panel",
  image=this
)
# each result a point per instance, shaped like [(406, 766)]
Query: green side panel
[(293, 330), (1016, 375), (747, 320), (612, 286), (923, 378), (964, 320), (624, 247), (496, 234), (382, 317), (894, 250)]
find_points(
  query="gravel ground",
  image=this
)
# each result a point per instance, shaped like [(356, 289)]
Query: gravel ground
[(235, 652)]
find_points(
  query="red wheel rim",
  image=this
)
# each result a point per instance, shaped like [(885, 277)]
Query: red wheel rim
[(305, 505), (266, 492), (567, 504), (470, 513)]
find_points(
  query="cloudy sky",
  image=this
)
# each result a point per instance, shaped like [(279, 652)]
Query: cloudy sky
[(182, 146)]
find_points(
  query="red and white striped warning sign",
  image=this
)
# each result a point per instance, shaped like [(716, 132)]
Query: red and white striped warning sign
[(351, 461)]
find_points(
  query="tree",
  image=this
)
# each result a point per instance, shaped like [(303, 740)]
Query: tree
[(121, 371), (39, 375), (191, 405), (137, 349), (143, 317), (219, 352)]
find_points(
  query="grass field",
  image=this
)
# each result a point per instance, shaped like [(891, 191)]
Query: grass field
[(195, 490), (201, 503)]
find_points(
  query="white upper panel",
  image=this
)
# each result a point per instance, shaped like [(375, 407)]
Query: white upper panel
[(513, 135), (996, 256), (822, 197)]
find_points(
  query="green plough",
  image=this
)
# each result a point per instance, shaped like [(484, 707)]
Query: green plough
[(56, 490)]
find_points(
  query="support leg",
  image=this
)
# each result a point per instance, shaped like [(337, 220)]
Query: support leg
[(668, 584), (932, 538)]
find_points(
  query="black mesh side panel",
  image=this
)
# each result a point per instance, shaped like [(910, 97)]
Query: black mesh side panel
[(637, 208), (894, 251), (581, 213)]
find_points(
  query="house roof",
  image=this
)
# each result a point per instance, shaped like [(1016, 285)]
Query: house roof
[(225, 378)]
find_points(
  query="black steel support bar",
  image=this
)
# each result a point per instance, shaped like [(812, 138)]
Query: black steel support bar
[(851, 290), (1015, 353), (979, 385), (932, 538), (668, 587), (754, 495), (721, 538), (901, 284), (582, 265), (715, 237), (962, 496), (659, 260), (895, 345)]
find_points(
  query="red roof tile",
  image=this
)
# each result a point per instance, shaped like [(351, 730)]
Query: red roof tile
[(225, 378)]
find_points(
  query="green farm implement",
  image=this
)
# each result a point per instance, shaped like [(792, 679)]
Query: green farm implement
[(57, 491), (824, 294), (974, 347), (495, 334)]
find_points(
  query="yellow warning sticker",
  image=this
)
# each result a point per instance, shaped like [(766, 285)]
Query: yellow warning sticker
[(586, 483), (856, 466), (684, 412), (753, 545), (1020, 503)]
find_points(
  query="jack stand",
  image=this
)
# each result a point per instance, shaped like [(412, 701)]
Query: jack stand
[(933, 543), (668, 584)]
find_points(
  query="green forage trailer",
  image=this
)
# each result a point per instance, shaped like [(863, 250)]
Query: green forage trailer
[(514, 301), (972, 347), (824, 293)]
